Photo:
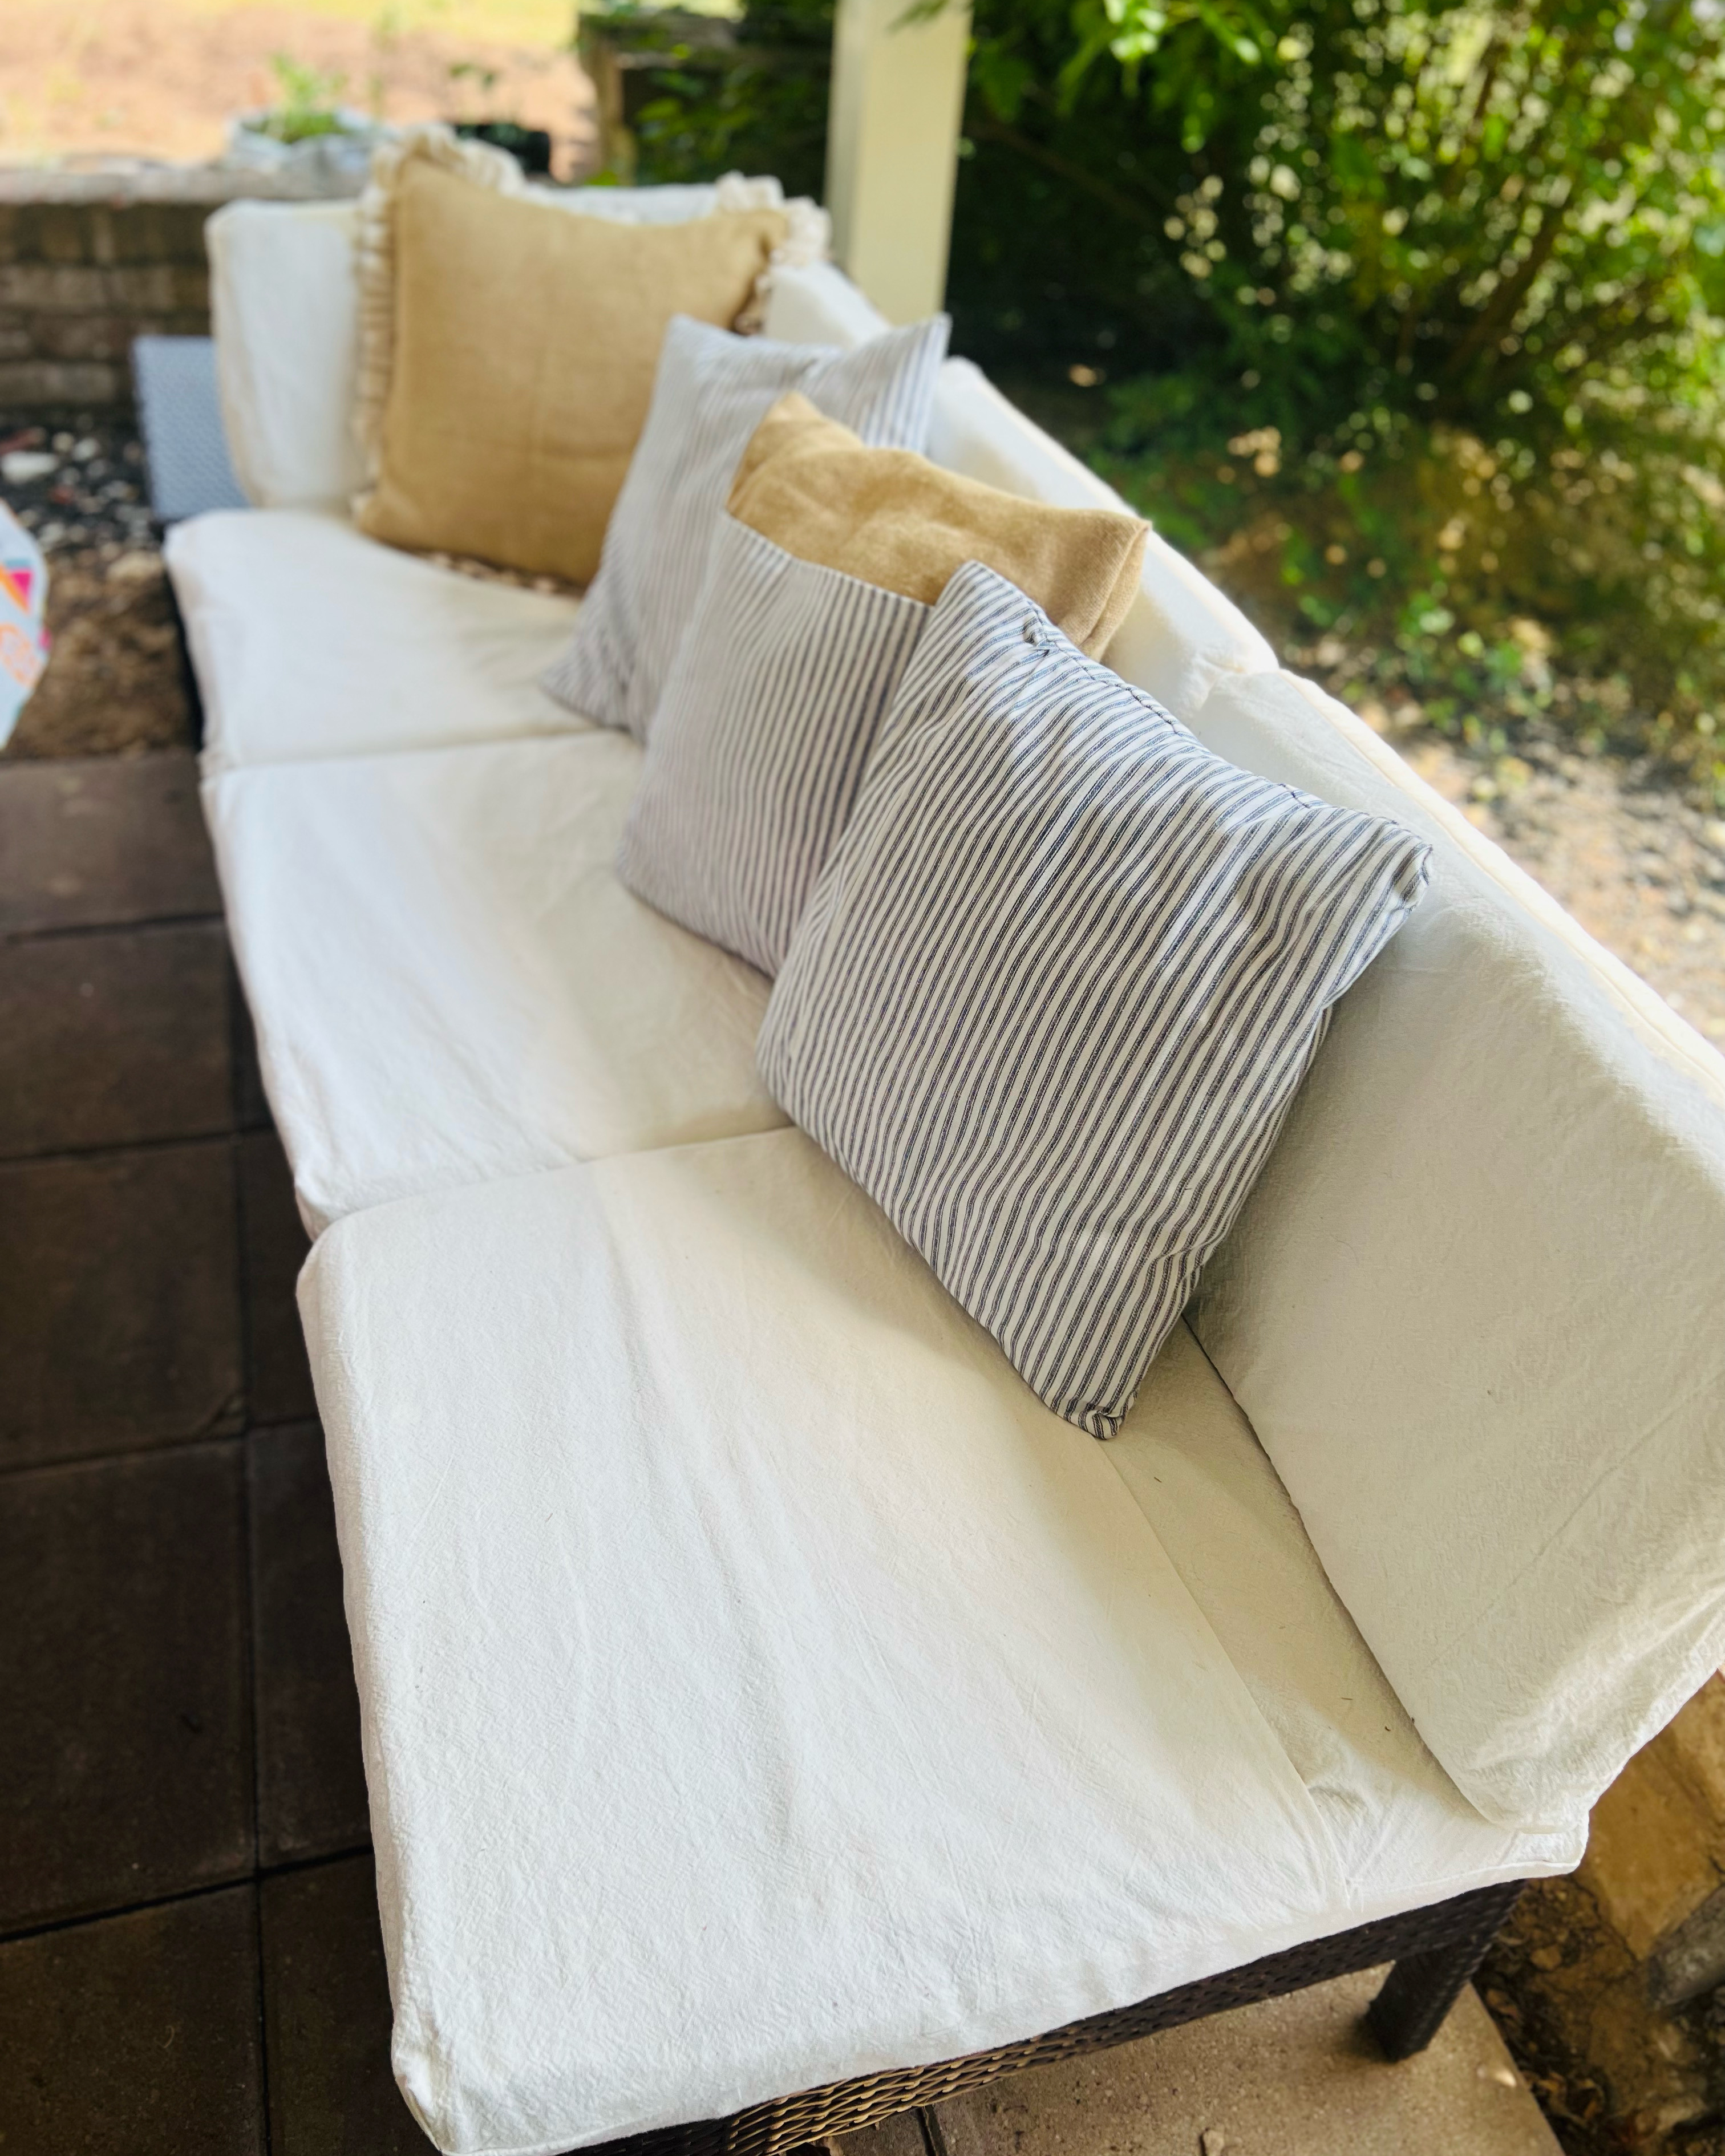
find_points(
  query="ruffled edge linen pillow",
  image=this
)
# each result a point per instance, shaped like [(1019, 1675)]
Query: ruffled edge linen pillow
[(808, 239)]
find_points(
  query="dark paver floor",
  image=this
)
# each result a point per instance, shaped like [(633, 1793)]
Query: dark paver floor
[(189, 1951)]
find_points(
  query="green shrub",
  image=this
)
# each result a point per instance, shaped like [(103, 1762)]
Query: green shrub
[(1464, 264)]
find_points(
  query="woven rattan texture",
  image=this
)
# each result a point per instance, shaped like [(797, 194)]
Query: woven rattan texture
[(1422, 1987), (1458, 1930)]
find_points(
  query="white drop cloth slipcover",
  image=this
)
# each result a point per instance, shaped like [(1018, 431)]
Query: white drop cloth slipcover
[(310, 639), (816, 303), (757, 1687), (1403, 1831), (284, 301), (448, 981), (1472, 1307)]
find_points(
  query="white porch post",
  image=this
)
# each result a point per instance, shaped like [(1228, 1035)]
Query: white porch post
[(892, 149)]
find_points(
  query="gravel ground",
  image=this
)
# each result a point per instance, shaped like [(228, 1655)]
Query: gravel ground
[(113, 681), (1639, 866)]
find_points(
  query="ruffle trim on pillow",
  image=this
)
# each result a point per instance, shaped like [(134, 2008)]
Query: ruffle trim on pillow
[(808, 236), (807, 239), (375, 256)]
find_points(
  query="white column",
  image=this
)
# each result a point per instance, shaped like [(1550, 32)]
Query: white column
[(892, 149)]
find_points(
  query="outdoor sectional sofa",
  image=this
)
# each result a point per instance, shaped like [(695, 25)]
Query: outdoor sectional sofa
[(773, 1716)]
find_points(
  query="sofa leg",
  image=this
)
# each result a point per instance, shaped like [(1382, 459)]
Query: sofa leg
[(1421, 1988)]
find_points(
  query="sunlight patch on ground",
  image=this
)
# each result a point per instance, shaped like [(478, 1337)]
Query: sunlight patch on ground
[(161, 77)]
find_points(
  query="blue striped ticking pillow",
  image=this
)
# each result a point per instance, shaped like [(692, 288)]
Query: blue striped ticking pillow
[(758, 744), (711, 391), (1058, 983)]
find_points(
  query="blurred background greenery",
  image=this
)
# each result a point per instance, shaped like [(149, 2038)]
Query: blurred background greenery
[(1405, 319)]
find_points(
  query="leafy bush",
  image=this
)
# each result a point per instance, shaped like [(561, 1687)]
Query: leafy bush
[(1465, 265), (1453, 272), (757, 104)]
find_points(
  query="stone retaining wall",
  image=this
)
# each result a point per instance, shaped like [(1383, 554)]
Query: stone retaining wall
[(90, 259)]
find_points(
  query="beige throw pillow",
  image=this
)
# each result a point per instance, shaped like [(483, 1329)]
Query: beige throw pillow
[(892, 519), (520, 351)]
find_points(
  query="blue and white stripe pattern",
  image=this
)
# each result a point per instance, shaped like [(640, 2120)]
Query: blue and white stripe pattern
[(758, 744), (711, 391), (1058, 985)]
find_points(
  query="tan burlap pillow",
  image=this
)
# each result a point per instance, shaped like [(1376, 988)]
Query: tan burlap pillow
[(509, 353), (892, 519)]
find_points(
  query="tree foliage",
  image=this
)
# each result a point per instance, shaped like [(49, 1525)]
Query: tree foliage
[(1463, 263)]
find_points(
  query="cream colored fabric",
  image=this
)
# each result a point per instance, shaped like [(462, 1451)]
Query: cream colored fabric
[(759, 1687), (309, 640), (284, 306), (450, 984), (1472, 1307), (521, 361), (890, 518)]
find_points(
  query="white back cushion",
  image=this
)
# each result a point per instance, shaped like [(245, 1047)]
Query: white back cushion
[(1473, 1306), (816, 303), (1182, 636), (285, 306)]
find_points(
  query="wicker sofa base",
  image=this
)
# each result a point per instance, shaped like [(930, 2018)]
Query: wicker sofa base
[(1436, 1950)]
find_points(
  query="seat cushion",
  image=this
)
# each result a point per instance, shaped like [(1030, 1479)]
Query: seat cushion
[(309, 640), (759, 1687), (448, 982)]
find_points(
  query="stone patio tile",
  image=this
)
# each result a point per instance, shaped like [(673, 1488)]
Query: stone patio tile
[(1294, 2076), (251, 1108), (326, 2018), (135, 2036), (101, 841), (126, 1772), (119, 1278), (900, 2136), (312, 1785), (279, 1379), (109, 1039)]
